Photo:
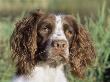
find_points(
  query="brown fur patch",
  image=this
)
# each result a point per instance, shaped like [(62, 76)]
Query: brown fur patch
[(23, 43)]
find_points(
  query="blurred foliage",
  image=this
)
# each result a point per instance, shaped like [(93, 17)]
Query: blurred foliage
[(6, 68), (96, 17), (13, 8)]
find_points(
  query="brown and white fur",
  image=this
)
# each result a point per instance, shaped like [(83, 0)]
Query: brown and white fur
[(43, 44)]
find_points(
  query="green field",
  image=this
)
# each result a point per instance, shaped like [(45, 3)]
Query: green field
[(98, 24)]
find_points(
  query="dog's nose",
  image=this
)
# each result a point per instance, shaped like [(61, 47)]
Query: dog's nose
[(59, 44)]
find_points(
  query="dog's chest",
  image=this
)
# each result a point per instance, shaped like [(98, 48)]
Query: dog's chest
[(45, 74)]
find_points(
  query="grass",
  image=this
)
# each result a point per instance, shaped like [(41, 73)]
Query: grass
[(6, 68), (99, 30)]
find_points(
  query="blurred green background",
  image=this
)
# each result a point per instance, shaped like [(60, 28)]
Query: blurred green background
[(94, 14)]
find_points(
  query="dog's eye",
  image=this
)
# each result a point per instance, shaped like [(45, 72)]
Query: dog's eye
[(68, 33), (46, 28), (67, 30)]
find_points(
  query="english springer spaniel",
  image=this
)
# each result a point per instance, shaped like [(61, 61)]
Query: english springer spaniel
[(43, 44)]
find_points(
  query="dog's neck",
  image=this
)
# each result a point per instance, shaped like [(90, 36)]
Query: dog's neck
[(44, 74)]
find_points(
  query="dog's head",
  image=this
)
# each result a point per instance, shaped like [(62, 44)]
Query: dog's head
[(51, 39)]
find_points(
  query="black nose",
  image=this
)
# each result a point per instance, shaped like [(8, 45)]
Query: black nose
[(59, 44)]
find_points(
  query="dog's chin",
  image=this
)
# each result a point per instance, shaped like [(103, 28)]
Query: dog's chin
[(54, 61)]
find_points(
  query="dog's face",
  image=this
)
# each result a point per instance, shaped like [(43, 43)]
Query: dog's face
[(55, 34), (51, 39)]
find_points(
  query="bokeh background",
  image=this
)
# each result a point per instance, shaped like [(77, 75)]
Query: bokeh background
[(93, 14)]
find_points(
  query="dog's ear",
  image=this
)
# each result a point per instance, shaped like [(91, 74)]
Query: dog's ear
[(82, 51), (23, 42)]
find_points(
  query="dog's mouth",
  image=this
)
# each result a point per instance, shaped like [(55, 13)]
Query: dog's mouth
[(53, 59)]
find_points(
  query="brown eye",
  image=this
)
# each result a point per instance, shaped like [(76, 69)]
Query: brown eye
[(46, 28), (68, 34), (68, 30)]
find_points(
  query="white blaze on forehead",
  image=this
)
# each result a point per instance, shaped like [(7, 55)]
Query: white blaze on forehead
[(58, 33)]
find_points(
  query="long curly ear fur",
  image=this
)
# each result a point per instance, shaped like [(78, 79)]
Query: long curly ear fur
[(82, 52), (23, 43)]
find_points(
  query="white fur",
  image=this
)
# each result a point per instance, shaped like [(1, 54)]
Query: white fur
[(43, 74), (58, 33)]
